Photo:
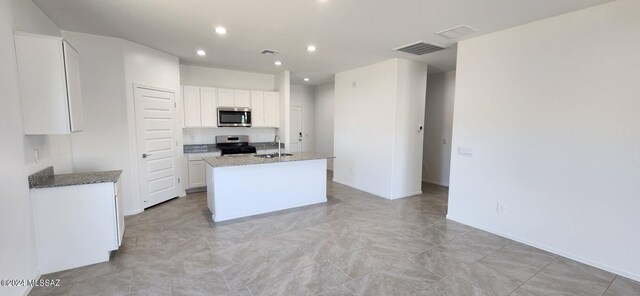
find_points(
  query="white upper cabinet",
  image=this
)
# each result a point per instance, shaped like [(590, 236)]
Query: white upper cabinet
[(49, 80), (209, 107), (225, 97), (74, 93), (271, 109), (242, 98), (200, 107), (234, 98), (192, 114), (257, 108)]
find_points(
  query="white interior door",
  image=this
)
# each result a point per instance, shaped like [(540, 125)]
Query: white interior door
[(296, 144), (157, 141)]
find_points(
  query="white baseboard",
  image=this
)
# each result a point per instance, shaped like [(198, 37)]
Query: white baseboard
[(376, 194), (134, 212), (359, 188), (562, 253), (409, 195), (435, 182), (29, 288)]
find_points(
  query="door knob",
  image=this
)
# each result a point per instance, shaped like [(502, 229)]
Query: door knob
[(144, 155)]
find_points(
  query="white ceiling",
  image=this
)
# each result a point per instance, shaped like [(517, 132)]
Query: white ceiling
[(348, 33)]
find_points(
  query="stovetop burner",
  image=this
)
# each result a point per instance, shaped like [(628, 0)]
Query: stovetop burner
[(234, 145)]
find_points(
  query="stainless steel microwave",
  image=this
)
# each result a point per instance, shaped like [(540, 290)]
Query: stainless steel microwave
[(234, 117)]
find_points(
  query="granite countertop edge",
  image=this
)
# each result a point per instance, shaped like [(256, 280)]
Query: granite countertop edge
[(250, 159), (47, 179), (209, 148)]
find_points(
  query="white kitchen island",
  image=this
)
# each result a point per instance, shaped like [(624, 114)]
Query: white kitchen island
[(245, 185)]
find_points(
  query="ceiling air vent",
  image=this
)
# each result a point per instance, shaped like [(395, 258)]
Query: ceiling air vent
[(456, 32), (419, 48), (269, 52)]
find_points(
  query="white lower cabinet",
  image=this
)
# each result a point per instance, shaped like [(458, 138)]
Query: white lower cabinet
[(77, 225), (197, 168), (196, 173)]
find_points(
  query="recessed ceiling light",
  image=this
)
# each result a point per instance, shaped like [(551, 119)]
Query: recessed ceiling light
[(221, 30), (306, 79), (311, 48), (201, 52), (278, 63)]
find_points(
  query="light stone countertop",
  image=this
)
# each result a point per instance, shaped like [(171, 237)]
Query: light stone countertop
[(208, 148), (47, 179), (250, 159)]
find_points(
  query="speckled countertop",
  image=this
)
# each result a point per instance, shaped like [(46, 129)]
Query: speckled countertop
[(200, 148), (266, 145), (47, 179), (250, 159)]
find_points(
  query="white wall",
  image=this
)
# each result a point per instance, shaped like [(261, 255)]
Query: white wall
[(28, 17), (302, 96), (103, 144), (438, 126), (109, 68), (149, 67), (208, 135), (551, 111), (408, 134), (378, 109), (18, 257), (282, 84), (214, 77), (323, 119)]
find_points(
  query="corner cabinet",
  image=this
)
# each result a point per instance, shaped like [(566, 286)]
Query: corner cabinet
[(197, 169), (49, 82), (77, 225), (265, 106), (271, 109)]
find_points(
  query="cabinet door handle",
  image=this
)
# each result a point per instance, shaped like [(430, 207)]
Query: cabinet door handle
[(144, 155)]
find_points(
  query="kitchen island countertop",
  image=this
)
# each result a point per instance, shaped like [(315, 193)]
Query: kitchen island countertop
[(251, 159)]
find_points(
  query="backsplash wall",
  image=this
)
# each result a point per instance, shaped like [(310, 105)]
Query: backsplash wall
[(208, 135)]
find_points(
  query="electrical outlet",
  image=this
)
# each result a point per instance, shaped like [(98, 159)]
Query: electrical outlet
[(445, 141), (501, 208), (35, 155)]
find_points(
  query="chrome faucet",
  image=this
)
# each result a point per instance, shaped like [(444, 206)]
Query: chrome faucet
[(277, 139)]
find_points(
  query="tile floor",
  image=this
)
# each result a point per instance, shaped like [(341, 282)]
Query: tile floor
[(356, 244)]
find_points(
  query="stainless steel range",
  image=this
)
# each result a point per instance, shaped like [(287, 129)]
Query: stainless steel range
[(234, 145)]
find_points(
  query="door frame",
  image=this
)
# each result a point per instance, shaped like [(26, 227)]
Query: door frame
[(302, 143), (137, 178)]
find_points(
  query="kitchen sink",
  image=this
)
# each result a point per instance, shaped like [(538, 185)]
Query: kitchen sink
[(272, 155)]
